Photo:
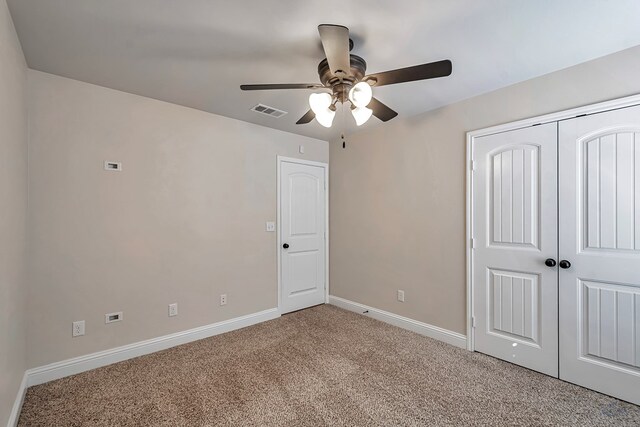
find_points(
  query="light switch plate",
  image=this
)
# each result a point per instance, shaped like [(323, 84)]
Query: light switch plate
[(270, 226)]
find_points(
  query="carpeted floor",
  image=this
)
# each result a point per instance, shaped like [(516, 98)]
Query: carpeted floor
[(318, 367)]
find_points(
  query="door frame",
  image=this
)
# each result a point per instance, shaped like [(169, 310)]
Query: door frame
[(325, 166), (599, 107)]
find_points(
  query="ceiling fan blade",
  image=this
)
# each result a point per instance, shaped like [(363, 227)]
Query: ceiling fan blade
[(310, 115), (335, 42), (410, 74), (282, 86), (381, 111)]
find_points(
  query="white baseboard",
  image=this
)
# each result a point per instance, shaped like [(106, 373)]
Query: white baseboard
[(450, 337), (17, 404), (76, 365)]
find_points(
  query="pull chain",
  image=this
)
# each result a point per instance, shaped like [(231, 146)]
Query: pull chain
[(344, 143)]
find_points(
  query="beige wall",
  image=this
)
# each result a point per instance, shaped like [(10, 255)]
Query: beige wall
[(183, 222), (398, 191), (13, 212)]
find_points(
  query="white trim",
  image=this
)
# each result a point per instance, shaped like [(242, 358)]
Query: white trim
[(469, 246), (600, 107), (280, 160), (302, 161), (14, 416), (435, 332), (547, 118), (76, 365)]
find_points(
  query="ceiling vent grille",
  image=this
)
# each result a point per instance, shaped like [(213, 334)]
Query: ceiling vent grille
[(269, 111)]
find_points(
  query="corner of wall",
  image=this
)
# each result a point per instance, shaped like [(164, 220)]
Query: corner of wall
[(13, 229)]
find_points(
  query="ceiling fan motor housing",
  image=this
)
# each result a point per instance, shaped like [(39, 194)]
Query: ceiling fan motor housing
[(341, 85)]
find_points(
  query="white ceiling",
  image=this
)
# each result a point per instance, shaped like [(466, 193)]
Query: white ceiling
[(197, 52)]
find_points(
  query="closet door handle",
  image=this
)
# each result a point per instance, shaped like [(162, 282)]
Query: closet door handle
[(550, 262), (565, 264)]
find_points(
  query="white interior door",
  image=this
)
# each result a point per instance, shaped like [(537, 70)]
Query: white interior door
[(600, 238), (515, 230), (302, 235)]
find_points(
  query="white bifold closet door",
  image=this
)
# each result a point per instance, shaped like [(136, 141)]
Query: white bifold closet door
[(515, 231), (556, 258), (599, 202)]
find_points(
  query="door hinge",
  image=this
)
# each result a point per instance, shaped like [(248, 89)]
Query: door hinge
[(473, 243), (473, 322), (472, 165)]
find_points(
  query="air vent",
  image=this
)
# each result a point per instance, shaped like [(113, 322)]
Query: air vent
[(113, 317), (269, 111)]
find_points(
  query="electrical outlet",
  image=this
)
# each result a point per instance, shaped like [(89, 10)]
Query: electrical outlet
[(78, 328), (400, 295), (270, 226), (223, 299), (173, 309)]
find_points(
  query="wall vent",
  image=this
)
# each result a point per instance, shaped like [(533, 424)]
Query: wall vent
[(269, 111), (113, 317)]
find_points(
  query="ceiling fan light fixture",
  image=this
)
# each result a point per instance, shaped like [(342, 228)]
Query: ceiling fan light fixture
[(325, 118), (361, 114), (360, 95), (320, 103)]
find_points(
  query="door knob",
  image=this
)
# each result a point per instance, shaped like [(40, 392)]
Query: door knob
[(550, 262), (286, 246), (565, 264)]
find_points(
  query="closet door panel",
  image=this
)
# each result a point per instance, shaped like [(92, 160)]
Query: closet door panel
[(599, 213), (515, 227)]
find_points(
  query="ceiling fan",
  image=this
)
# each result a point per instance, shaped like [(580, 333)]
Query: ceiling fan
[(343, 74)]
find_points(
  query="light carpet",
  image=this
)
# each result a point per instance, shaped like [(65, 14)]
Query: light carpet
[(323, 366)]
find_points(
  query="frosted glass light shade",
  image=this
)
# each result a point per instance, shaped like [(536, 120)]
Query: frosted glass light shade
[(361, 114), (325, 118), (320, 103), (360, 95)]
